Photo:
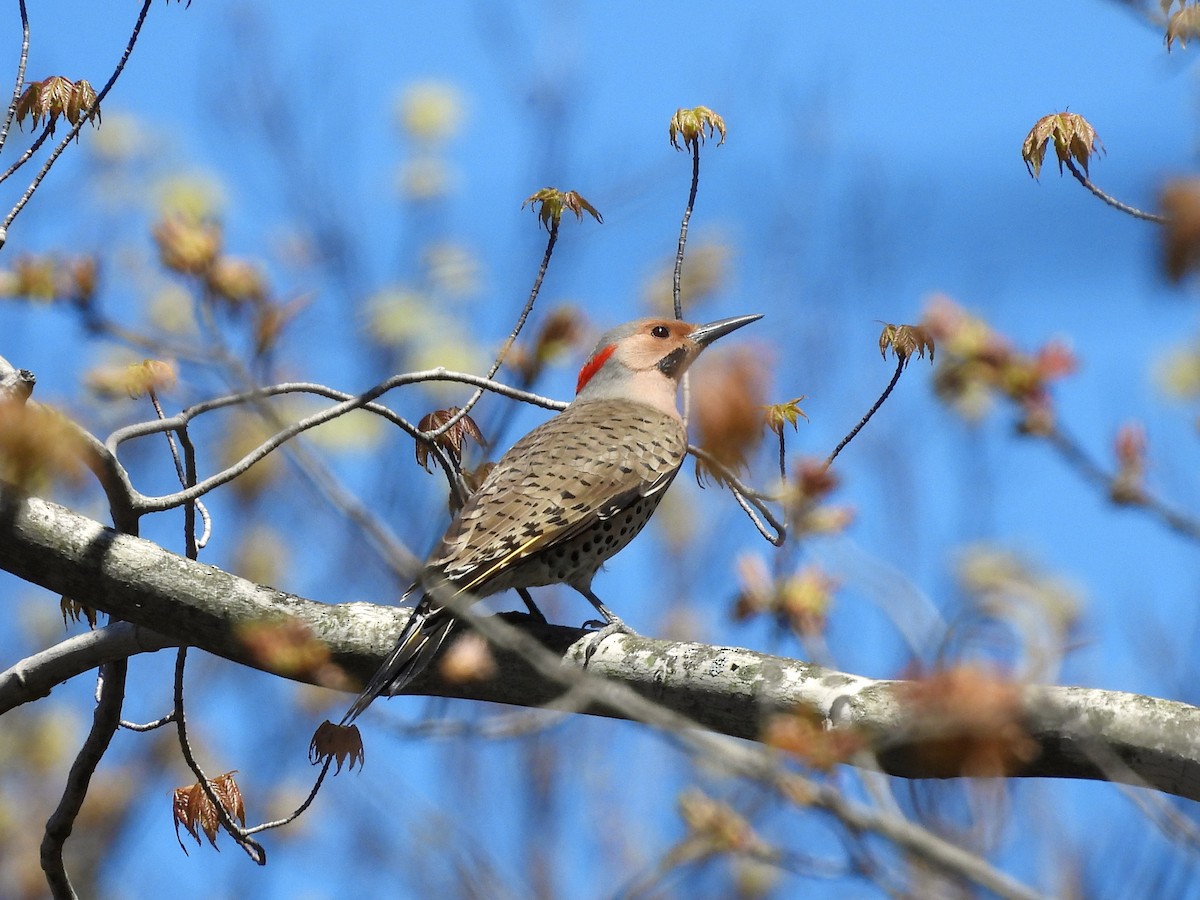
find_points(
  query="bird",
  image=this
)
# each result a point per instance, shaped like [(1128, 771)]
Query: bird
[(567, 496)]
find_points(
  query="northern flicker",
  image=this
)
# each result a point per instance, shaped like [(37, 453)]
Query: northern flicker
[(568, 495)]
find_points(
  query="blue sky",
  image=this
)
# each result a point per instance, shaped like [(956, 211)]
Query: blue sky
[(873, 160)]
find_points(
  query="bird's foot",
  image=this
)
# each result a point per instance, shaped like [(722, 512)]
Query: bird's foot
[(534, 613), (603, 630)]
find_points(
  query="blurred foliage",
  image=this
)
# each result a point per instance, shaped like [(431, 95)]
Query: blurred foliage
[(706, 273)]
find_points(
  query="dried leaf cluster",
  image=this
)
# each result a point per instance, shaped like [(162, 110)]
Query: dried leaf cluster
[(341, 743), (196, 813), (450, 441)]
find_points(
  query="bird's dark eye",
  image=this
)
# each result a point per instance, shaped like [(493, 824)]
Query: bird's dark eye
[(660, 331)]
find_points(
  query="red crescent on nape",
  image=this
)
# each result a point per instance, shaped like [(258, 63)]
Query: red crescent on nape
[(593, 365)]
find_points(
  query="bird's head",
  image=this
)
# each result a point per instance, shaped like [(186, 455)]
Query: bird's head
[(643, 360)]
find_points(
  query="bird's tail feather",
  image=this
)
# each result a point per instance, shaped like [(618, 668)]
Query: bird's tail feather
[(423, 635)]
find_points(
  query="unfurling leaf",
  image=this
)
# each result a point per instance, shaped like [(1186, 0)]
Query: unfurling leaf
[(81, 101), (452, 440), (151, 375), (548, 205), (1073, 136), (693, 126), (195, 812), (778, 415), (51, 278), (1182, 26), (341, 742), (57, 96), (904, 341), (187, 245), (73, 611), (46, 99), (236, 281)]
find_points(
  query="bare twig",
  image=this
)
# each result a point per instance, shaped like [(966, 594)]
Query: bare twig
[(105, 720), (145, 504), (1110, 200), (28, 153), (499, 361), (21, 63), (32, 678), (295, 814), (142, 728), (252, 847), (184, 479), (84, 118), (751, 501), (900, 363), (677, 274), (1078, 458)]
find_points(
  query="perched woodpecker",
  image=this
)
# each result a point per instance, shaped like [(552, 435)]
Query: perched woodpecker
[(567, 496)]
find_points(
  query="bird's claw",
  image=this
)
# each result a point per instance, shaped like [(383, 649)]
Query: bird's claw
[(593, 641)]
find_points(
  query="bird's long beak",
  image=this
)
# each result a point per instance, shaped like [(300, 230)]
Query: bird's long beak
[(706, 334)]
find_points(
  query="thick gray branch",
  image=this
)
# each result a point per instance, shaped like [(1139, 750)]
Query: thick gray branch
[(15, 384), (1079, 732)]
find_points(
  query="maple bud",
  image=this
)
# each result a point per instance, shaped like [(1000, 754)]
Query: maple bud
[(187, 246), (692, 126), (1073, 137), (548, 205)]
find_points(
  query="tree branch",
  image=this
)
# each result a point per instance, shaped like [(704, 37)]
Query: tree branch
[(1079, 732)]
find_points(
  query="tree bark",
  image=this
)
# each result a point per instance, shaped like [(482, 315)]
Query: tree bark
[(165, 600)]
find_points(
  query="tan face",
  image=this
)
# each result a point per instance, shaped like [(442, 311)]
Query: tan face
[(654, 340)]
